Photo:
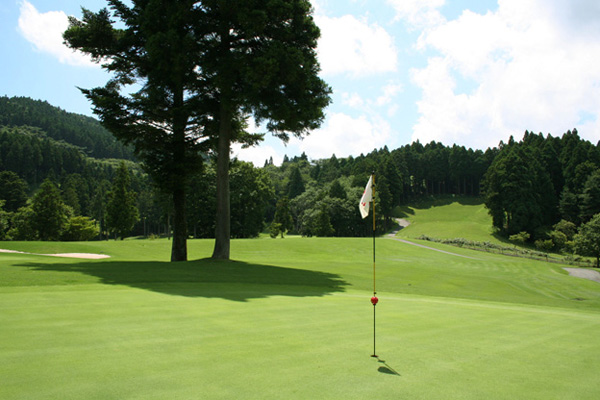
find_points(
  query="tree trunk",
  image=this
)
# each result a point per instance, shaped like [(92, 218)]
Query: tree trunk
[(179, 245), (223, 216)]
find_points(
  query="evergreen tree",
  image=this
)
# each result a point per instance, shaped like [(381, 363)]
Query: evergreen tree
[(13, 190), (322, 224), (69, 194), (296, 184), (98, 206), (49, 213), (159, 50), (76, 193), (203, 67), (384, 198), (587, 241), (590, 198), (394, 181), (251, 190), (336, 191), (518, 191), (330, 170), (283, 217), (569, 206), (4, 221), (260, 60), (22, 225), (121, 210)]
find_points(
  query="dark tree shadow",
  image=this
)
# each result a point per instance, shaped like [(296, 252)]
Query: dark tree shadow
[(232, 280)]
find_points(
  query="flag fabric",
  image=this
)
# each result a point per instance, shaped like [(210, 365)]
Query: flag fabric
[(366, 198)]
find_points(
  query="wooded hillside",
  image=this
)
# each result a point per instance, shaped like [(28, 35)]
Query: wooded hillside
[(529, 186), (78, 130)]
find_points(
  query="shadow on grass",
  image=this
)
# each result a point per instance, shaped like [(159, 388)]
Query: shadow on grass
[(386, 369), (232, 280), (402, 211)]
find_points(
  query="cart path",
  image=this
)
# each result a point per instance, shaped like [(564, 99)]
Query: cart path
[(430, 248), (403, 223)]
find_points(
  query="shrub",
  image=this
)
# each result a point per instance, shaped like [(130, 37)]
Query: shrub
[(544, 245), (519, 238), (80, 229)]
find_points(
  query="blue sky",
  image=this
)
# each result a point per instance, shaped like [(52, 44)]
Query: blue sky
[(454, 71)]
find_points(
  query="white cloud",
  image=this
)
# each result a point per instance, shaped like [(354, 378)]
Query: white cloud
[(419, 14), (344, 135), (257, 155), (350, 46), (384, 103), (389, 92), (529, 67), (44, 31), (353, 100)]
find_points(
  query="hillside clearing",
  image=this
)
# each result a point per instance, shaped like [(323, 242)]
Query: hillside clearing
[(448, 218)]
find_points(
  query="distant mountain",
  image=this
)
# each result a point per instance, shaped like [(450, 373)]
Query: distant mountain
[(79, 130)]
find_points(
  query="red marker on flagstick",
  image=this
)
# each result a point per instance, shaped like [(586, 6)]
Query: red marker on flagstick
[(374, 301)]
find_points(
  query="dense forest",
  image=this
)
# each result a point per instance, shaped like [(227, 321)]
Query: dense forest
[(533, 187), (77, 130)]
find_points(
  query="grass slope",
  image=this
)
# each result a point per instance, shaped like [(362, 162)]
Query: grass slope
[(448, 218), (292, 319)]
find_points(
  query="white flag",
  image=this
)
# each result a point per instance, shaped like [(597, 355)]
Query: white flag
[(366, 198)]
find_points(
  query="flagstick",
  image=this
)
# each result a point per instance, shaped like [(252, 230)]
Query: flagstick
[(373, 197), (374, 299)]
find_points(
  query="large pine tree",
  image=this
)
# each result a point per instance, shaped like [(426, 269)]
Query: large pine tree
[(165, 117), (260, 60), (202, 67)]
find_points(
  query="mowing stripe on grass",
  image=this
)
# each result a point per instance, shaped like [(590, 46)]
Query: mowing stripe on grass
[(292, 319), (119, 342)]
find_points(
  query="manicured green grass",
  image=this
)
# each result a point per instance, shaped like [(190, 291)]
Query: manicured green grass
[(449, 218), (292, 319)]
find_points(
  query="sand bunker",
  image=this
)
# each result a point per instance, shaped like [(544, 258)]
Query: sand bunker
[(584, 273), (89, 256)]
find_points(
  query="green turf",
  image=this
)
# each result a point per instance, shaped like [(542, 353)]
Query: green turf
[(292, 319), (449, 218)]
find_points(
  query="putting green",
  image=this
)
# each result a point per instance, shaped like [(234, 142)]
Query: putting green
[(298, 327)]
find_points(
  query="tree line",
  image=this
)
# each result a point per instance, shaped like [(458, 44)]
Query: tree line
[(541, 189), (545, 190), (528, 185), (84, 183), (321, 196)]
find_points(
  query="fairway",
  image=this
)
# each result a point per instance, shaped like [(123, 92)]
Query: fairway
[(292, 319), (449, 218)]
